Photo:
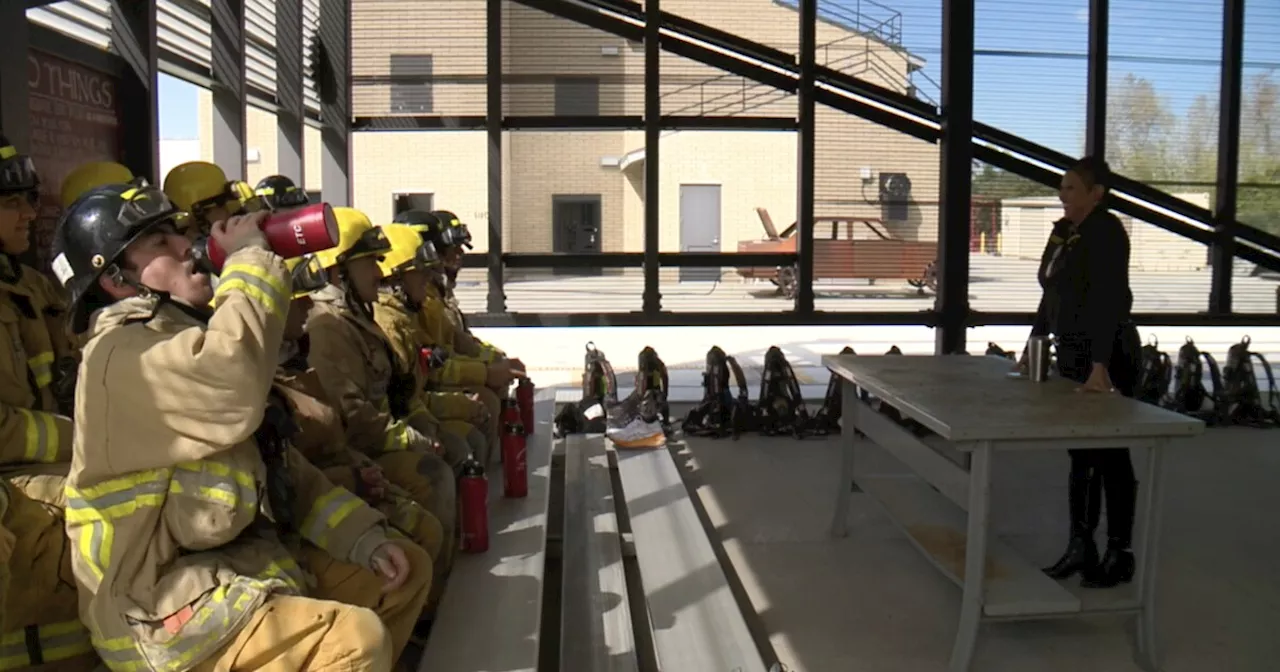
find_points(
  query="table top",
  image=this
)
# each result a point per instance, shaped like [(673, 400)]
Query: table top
[(973, 398)]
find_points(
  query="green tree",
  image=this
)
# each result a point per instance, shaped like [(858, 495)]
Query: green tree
[(1139, 128), (1199, 159), (1259, 200)]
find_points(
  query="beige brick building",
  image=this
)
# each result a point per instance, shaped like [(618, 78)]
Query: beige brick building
[(556, 183)]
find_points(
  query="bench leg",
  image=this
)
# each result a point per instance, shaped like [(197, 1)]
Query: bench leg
[(850, 406), (975, 560), (1148, 543)]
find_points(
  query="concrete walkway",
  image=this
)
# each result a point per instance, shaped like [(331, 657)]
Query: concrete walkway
[(871, 602)]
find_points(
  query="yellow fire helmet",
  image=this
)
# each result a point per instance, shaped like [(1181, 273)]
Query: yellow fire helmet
[(90, 175), (357, 237), (309, 276), (197, 185), (408, 251)]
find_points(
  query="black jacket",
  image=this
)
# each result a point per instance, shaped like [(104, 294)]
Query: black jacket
[(1089, 296), (1050, 263)]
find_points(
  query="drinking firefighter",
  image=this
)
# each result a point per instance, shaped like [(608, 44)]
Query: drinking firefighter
[(353, 361), (320, 435), (188, 510), (39, 624), (469, 366), (407, 270)]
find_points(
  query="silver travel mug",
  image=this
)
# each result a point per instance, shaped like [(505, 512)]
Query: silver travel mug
[(1038, 358)]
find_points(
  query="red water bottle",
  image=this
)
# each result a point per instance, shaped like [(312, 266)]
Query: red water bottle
[(510, 412), (515, 465), (289, 233), (473, 513), (524, 397)]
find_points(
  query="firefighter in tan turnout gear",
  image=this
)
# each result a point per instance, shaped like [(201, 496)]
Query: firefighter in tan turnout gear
[(187, 506), (320, 436), (407, 269), (468, 368), (354, 362), (41, 628)]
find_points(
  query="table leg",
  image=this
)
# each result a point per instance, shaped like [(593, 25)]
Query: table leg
[(1147, 552), (850, 406), (975, 559)]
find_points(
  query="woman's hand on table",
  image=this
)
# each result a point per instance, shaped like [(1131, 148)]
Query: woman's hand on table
[(1099, 381)]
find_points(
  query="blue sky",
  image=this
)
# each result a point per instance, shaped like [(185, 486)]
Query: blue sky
[(1030, 67)]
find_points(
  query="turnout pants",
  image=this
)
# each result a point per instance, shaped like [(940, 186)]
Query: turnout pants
[(41, 628), (1112, 467), (490, 437), (430, 482), (290, 633)]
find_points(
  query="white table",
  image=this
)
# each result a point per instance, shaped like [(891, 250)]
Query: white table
[(974, 409)]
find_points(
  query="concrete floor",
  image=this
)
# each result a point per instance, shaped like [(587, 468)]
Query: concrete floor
[(871, 602)]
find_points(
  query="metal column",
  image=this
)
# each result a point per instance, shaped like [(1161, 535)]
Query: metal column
[(228, 87), (133, 36), (497, 299), (333, 80), (14, 103), (1095, 134), (1224, 212), (805, 156), (956, 175), (652, 301), (290, 157)]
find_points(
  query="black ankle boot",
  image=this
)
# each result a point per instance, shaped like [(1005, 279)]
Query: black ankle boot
[(1081, 556), (1084, 501), (1117, 567)]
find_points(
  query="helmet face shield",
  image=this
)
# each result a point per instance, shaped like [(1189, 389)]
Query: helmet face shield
[(144, 206), (292, 197), (426, 257), (456, 235), (372, 241), (308, 276)]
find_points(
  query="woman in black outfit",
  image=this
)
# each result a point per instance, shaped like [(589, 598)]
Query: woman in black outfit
[(1087, 304)]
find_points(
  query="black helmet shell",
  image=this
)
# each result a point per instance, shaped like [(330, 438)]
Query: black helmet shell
[(281, 192), (93, 233)]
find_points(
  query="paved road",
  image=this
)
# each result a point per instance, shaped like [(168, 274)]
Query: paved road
[(998, 284)]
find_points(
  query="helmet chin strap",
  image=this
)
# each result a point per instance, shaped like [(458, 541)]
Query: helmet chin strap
[(403, 297), (362, 308)]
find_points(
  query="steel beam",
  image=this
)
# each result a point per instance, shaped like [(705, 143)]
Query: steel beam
[(805, 157), (702, 319), (15, 108), (133, 37), (229, 106), (1095, 132), (497, 299), (334, 85), (652, 299), (637, 259), (290, 75), (955, 175), (1224, 215)]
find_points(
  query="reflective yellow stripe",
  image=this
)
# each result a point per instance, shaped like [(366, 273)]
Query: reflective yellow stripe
[(397, 437), (328, 512), (119, 654), (91, 510), (42, 368), (256, 283), (217, 483), (8, 152), (41, 436), (58, 641)]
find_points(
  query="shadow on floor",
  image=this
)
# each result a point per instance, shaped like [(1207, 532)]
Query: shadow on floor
[(872, 603)]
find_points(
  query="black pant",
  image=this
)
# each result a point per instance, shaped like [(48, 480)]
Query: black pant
[(1112, 466)]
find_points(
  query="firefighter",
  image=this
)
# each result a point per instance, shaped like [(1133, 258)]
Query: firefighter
[(40, 611), (407, 270), (354, 363), (185, 497), (202, 190), (320, 433), (455, 236), (486, 377), (281, 193), (93, 174)]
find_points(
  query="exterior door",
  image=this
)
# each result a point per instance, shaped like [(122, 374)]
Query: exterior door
[(699, 227), (576, 230)]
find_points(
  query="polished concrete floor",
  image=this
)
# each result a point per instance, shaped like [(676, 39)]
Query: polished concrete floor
[(872, 603)]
